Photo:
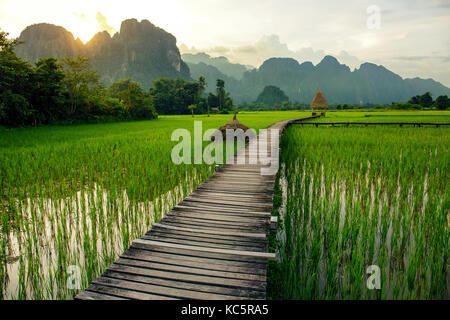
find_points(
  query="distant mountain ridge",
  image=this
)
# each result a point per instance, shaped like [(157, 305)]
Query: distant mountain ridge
[(370, 83), (144, 52), (140, 50), (234, 70)]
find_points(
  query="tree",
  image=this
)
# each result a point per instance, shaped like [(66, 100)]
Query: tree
[(79, 80), (136, 101), (202, 86), (442, 102), (173, 96), (213, 101), (15, 85), (414, 100), (48, 96), (220, 91), (426, 100), (192, 107)]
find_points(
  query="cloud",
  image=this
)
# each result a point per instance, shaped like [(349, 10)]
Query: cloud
[(270, 46), (422, 58), (103, 25)]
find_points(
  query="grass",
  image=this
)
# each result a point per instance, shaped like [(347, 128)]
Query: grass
[(78, 195), (351, 197)]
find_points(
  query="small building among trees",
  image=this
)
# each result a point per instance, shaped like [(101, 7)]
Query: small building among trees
[(319, 103)]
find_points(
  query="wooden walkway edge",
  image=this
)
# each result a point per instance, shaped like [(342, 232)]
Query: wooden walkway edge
[(401, 124), (212, 245)]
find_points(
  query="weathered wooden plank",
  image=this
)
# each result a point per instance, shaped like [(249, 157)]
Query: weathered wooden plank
[(169, 234), (250, 224), (232, 211), (214, 227), (185, 252), (217, 238), (218, 231), (250, 241), (176, 257), (262, 188), (227, 194), (224, 206), (255, 191), (206, 288), (238, 183), (232, 203), (226, 282), (220, 216), (214, 208), (203, 243), (197, 262), (110, 289), (151, 288), (252, 254), (189, 270), (233, 196), (88, 295)]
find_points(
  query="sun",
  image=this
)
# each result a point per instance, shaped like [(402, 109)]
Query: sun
[(83, 29)]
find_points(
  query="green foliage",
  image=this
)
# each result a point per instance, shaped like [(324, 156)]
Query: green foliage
[(222, 98), (405, 106), (138, 103), (424, 100), (442, 103), (63, 91), (48, 92), (173, 96), (79, 79), (15, 85)]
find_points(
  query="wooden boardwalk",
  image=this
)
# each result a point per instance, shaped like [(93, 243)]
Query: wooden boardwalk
[(401, 124), (212, 245)]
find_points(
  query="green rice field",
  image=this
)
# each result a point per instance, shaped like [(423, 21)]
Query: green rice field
[(356, 196)]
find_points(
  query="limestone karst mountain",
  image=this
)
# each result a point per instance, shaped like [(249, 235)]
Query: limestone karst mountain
[(140, 50)]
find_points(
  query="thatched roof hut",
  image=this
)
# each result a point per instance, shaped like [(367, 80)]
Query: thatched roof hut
[(319, 103), (232, 124)]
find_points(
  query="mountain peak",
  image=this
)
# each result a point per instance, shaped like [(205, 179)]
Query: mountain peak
[(329, 60), (280, 62)]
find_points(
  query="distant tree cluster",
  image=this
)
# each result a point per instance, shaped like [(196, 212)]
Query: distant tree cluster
[(178, 96), (346, 106), (424, 101), (284, 106), (63, 91)]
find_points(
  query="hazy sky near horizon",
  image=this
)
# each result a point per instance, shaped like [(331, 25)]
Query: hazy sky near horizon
[(411, 37)]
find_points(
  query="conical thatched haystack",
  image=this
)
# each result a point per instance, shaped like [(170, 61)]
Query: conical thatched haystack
[(319, 103), (232, 124)]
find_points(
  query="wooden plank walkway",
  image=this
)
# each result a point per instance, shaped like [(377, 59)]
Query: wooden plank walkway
[(401, 124), (212, 245)]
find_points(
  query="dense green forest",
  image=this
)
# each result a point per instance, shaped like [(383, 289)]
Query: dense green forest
[(69, 90)]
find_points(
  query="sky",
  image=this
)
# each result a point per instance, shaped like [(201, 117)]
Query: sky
[(409, 37)]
